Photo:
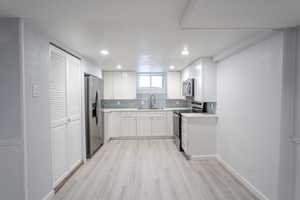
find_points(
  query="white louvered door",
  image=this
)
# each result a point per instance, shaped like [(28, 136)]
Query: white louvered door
[(58, 98), (65, 105), (74, 111)]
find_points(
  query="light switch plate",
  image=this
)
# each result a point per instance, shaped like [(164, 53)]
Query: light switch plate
[(35, 91)]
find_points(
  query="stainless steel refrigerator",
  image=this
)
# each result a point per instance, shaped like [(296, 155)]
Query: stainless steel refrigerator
[(93, 114)]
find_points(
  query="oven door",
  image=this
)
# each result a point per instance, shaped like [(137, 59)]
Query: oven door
[(177, 131), (176, 124)]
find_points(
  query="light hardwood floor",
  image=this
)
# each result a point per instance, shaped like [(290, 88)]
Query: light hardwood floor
[(150, 170)]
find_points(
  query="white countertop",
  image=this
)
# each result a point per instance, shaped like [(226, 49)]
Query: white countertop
[(141, 110), (197, 115)]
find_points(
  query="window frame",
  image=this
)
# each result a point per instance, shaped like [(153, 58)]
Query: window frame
[(151, 89)]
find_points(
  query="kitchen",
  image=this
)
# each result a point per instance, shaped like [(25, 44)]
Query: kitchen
[(149, 100)]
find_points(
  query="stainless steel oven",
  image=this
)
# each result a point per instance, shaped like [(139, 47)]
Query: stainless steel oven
[(177, 129), (196, 108)]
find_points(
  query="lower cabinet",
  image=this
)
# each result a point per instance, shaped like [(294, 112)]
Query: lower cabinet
[(127, 124), (141, 124), (170, 125), (199, 136), (158, 124)]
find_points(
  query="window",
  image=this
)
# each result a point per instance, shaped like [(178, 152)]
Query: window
[(150, 81), (144, 81), (156, 81)]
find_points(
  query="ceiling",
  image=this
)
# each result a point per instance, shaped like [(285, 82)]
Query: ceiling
[(148, 35)]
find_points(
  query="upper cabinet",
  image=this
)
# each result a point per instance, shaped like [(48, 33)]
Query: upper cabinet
[(119, 85), (205, 74), (174, 85), (108, 78)]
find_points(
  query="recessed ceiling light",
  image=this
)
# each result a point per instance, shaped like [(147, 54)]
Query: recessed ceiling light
[(119, 66), (185, 52), (172, 67), (199, 66), (104, 52)]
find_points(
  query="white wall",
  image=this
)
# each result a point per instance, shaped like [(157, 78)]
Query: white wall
[(11, 150), (297, 125), (38, 138), (249, 124), (286, 163)]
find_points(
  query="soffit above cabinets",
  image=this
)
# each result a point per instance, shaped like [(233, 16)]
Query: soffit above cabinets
[(241, 14)]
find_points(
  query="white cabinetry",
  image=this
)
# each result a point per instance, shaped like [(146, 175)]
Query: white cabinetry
[(170, 123), (128, 124), (199, 136), (115, 124), (119, 85), (152, 124), (205, 74), (140, 124), (143, 124), (159, 124), (108, 85), (174, 85), (65, 113)]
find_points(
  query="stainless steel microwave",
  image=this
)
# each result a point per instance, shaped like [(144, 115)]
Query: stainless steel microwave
[(188, 87)]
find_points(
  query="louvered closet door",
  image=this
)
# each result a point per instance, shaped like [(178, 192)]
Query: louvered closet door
[(58, 72), (74, 111)]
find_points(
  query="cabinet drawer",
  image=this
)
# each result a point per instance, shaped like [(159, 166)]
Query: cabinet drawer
[(128, 114), (158, 115)]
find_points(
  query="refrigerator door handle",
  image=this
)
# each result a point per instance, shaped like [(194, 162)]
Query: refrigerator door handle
[(96, 107)]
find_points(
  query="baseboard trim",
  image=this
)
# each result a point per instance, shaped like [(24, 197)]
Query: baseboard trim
[(49, 196), (242, 180), (141, 137), (61, 183), (203, 157)]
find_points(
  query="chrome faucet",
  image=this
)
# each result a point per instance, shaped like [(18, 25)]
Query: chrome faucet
[(152, 100)]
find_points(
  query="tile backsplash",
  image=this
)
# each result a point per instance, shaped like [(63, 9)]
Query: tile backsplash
[(143, 101)]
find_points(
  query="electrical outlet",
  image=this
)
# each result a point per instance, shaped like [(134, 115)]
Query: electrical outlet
[(35, 91), (118, 102), (177, 102)]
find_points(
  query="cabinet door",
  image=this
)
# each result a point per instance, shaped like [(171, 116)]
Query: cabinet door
[(159, 124), (170, 124), (118, 85), (174, 85), (108, 78), (128, 124), (74, 112), (107, 127), (131, 85), (58, 114), (210, 82), (143, 125), (124, 85), (115, 124)]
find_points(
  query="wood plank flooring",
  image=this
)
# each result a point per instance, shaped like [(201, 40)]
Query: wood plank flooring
[(150, 170)]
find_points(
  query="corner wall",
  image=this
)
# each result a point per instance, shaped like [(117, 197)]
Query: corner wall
[(38, 136), (297, 127), (249, 101), (11, 127)]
